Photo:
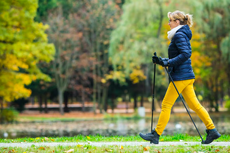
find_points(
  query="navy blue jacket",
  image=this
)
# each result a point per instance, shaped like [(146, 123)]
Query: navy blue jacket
[(179, 53)]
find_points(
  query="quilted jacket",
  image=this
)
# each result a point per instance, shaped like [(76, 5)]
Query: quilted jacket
[(179, 53)]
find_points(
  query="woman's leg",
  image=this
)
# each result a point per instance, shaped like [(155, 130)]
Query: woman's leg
[(167, 103), (193, 103)]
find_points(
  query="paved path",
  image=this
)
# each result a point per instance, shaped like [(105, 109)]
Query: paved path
[(112, 143)]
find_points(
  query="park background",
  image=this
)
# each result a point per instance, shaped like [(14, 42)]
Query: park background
[(70, 67)]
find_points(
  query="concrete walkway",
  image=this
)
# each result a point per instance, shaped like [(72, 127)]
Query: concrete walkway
[(112, 143)]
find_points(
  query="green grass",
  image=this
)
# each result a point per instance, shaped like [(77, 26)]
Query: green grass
[(118, 149), (99, 138), (87, 148)]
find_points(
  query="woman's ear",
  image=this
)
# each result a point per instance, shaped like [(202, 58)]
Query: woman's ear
[(178, 22)]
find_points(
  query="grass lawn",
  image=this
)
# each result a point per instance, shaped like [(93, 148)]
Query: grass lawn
[(114, 148), (98, 138), (118, 149)]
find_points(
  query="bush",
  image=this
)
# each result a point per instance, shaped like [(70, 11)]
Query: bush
[(227, 105), (8, 115)]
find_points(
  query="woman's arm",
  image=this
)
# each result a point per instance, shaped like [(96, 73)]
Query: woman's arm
[(184, 50)]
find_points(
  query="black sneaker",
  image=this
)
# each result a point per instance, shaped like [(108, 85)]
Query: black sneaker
[(153, 137), (211, 135)]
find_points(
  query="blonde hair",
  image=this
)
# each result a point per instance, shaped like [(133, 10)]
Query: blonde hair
[(182, 17)]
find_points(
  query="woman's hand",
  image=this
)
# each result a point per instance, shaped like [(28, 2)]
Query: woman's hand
[(161, 61)]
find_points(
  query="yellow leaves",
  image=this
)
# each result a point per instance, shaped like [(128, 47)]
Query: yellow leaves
[(79, 146), (137, 75), (195, 44), (121, 147), (106, 42), (200, 97), (88, 137), (198, 61), (11, 62), (116, 75), (103, 80), (13, 85)]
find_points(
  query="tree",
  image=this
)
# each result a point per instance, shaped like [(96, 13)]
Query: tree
[(214, 23), (23, 44), (65, 36), (137, 36), (99, 21)]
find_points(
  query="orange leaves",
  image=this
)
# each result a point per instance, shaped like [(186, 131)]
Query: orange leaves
[(146, 148), (41, 148)]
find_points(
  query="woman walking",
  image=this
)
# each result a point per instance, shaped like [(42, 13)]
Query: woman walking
[(179, 63)]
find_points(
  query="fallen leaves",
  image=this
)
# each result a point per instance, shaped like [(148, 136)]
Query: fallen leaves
[(88, 137), (41, 148), (108, 150), (146, 148)]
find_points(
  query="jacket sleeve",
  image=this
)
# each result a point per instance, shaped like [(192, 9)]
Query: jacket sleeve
[(184, 50)]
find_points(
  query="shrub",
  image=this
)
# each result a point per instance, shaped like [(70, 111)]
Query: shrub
[(227, 105), (8, 115)]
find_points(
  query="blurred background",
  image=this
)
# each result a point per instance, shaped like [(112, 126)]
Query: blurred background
[(70, 67)]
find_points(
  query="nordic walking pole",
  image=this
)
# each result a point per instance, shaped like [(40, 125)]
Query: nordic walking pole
[(184, 104), (155, 54)]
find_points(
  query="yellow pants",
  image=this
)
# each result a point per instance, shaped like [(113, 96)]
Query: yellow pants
[(186, 88)]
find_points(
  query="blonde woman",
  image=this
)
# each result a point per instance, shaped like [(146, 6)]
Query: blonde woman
[(179, 65)]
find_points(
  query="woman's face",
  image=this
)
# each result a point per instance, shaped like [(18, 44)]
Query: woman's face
[(173, 23)]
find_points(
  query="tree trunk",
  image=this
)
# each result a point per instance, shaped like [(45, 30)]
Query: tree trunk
[(45, 100), (142, 101), (40, 103), (94, 89), (161, 17), (83, 99), (99, 97), (135, 102), (127, 106), (228, 74), (112, 105), (104, 97), (60, 100), (216, 95), (1, 101), (66, 99)]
